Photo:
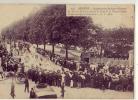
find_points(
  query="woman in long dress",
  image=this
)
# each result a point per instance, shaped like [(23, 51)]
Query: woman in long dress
[(1, 72)]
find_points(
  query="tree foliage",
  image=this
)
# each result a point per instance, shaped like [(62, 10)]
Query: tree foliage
[(50, 24)]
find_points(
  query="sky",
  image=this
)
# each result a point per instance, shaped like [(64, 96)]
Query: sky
[(10, 13), (14, 12)]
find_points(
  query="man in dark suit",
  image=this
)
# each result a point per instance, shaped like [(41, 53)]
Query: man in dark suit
[(26, 85)]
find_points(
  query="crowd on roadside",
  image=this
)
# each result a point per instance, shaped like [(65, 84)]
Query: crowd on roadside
[(100, 76), (8, 63)]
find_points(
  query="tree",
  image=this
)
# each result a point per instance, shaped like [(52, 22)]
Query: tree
[(52, 23), (51, 15), (36, 30), (123, 34), (72, 30), (119, 39)]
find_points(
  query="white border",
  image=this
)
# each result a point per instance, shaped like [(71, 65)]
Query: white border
[(136, 50), (91, 2), (69, 1)]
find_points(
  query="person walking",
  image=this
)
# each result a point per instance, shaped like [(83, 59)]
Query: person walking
[(12, 90), (26, 85), (62, 90), (62, 84)]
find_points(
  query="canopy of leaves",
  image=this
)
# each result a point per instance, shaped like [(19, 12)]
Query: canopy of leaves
[(50, 24)]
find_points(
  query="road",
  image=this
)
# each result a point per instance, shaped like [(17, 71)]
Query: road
[(76, 55), (70, 93)]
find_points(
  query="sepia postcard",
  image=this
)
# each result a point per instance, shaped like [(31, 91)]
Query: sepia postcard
[(67, 51)]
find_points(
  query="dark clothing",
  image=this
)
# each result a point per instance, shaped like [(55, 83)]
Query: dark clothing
[(26, 85), (12, 91), (26, 82), (32, 94), (62, 90), (15, 67), (124, 81)]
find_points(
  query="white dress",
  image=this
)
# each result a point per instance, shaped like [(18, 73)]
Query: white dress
[(71, 83), (1, 70)]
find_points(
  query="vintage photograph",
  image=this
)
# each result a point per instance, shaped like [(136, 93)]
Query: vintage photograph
[(67, 51)]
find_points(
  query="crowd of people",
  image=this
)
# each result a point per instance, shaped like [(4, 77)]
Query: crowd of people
[(117, 77), (8, 63), (75, 75), (113, 78), (103, 76), (12, 66)]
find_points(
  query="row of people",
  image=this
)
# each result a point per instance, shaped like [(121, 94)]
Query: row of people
[(80, 79)]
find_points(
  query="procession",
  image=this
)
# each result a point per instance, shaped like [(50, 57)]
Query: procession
[(51, 55)]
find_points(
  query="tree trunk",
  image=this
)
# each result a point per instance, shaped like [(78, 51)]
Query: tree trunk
[(37, 45), (14, 43), (53, 49), (10, 44), (44, 46), (101, 53), (66, 47)]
